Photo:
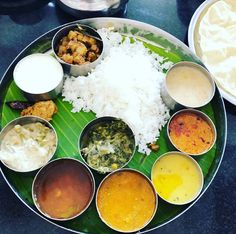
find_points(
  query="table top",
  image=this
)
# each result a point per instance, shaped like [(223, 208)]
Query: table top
[(215, 212)]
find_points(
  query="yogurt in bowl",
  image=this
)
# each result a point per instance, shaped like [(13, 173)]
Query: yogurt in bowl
[(39, 77)]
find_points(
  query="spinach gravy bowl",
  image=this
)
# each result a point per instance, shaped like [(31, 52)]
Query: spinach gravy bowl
[(63, 189), (107, 144)]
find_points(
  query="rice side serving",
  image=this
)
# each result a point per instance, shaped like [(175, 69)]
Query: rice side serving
[(127, 85)]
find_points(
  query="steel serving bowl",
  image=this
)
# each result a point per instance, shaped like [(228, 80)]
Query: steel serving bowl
[(39, 77), (168, 98), (194, 162), (153, 190), (204, 117), (85, 135), (76, 69), (22, 121), (93, 8), (47, 169)]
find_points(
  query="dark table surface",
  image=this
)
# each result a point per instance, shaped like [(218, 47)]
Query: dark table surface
[(215, 212)]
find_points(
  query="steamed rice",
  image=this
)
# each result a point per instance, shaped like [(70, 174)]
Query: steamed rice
[(126, 85)]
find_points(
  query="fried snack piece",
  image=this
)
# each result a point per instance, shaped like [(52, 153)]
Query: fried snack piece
[(43, 109)]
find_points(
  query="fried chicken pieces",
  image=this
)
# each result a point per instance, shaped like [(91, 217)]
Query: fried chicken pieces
[(43, 109)]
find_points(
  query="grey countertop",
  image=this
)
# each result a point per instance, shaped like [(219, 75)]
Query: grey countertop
[(215, 212)]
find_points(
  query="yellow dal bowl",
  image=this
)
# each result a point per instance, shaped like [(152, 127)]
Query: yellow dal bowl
[(177, 178)]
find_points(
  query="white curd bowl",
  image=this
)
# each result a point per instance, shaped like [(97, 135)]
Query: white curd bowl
[(39, 77)]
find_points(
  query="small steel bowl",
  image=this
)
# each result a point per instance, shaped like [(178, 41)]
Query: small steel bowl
[(89, 9), (170, 101), (153, 189), (204, 117), (36, 73), (198, 167), (84, 137), (76, 69), (45, 171), (23, 121)]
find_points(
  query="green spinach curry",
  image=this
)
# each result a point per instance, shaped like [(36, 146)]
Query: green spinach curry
[(108, 145)]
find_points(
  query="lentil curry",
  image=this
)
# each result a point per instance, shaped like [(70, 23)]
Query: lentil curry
[(177, 178), (126, 201)]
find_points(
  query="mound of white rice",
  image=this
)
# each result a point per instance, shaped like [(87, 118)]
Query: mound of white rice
[(126, 84)]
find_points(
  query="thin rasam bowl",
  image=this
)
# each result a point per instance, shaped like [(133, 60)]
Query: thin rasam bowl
[(151, 184), (43, 171), (84, 138), (199, 169), (75, 69), (204, 117), (22, 121)]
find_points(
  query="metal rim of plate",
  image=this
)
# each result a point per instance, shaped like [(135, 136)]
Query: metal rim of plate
[(191, 32), (155, 30)]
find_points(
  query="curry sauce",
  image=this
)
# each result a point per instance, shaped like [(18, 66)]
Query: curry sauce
[(126, 201), (191, 133)]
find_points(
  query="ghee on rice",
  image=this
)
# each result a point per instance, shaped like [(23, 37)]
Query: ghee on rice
[(126, 84)]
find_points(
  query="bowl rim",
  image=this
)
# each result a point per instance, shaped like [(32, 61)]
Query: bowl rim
[(92, 179), (67, 28), (99, 120), (133, 171), (205, 117), (38, 119), (198, 167)]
